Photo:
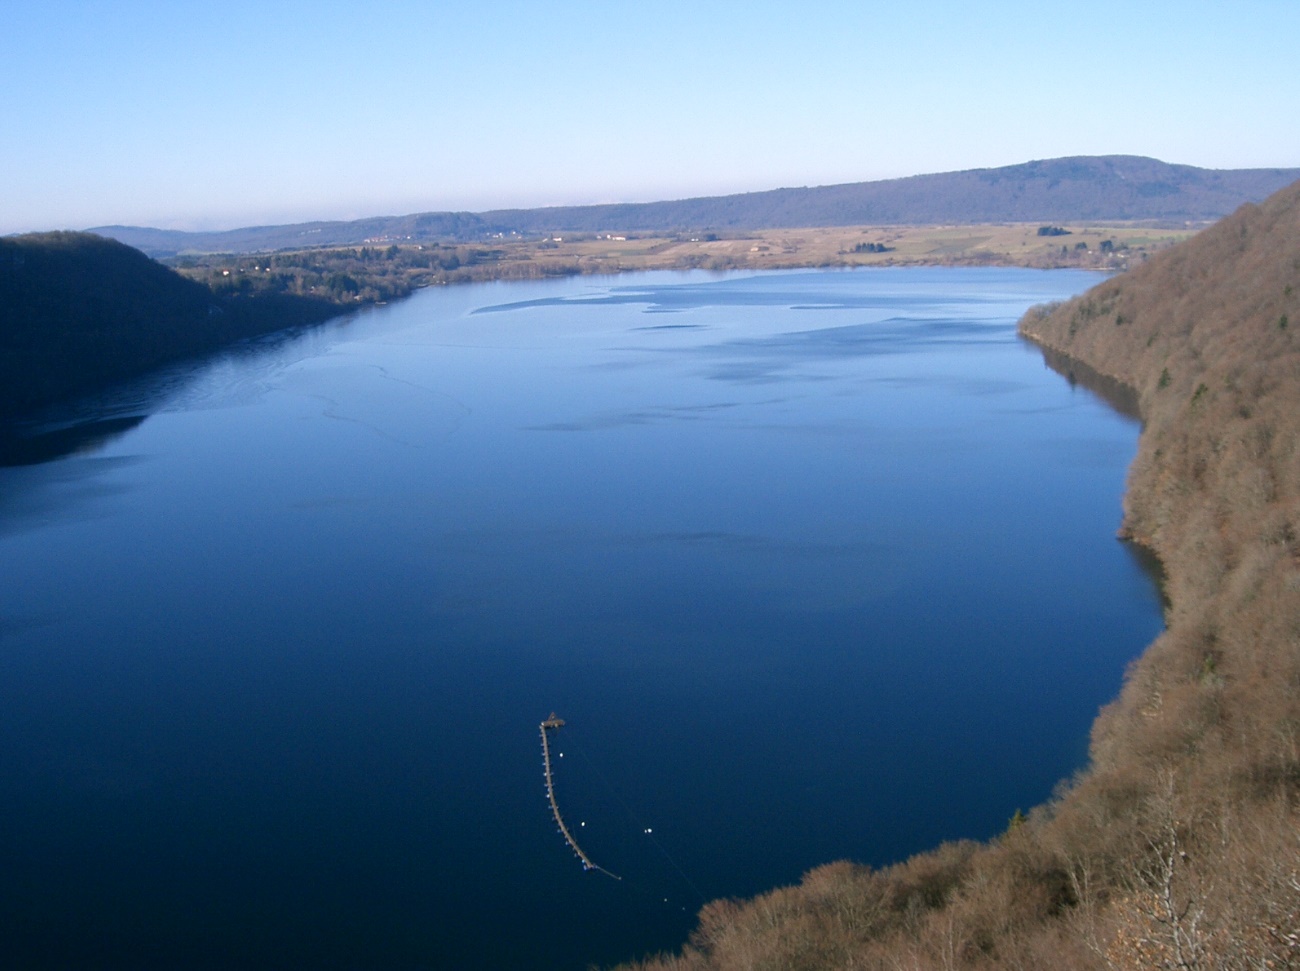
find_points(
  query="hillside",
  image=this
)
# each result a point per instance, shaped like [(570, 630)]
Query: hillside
[(78, 312), (1113, 188), (1179, 846)]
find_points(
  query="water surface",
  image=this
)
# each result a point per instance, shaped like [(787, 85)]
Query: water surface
[(816, 564)]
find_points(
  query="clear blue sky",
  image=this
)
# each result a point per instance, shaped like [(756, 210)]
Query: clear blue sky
[(212, 115)]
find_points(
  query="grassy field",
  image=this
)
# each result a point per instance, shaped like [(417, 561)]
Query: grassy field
[(391, 269), (1014, 244)]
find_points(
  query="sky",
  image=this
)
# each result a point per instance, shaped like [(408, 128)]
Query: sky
[(190, 115)]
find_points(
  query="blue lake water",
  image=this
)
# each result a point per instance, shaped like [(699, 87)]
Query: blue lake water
[(817, 565)]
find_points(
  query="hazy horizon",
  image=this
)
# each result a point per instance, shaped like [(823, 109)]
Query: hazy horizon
[(398, 215), (143, 113)]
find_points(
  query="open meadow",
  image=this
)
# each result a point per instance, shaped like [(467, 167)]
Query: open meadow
[(386, 268)]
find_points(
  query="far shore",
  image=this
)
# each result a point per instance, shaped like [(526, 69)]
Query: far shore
[(388, 268)]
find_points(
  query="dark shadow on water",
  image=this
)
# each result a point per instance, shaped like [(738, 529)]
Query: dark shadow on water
[(22, 446), (1154, 570), (1122, 398), (1115, 393), (101, 411)]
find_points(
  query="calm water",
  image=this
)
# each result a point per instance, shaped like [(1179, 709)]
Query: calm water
[(817, 565)]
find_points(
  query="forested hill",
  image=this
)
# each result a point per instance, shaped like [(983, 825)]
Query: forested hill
[(1179, 847), (78, 312), (1086, 188)]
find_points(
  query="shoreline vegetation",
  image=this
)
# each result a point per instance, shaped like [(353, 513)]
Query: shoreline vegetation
[(1178, 847)]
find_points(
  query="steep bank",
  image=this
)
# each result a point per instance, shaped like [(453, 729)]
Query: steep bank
[(1211, 712), (1179, 847)]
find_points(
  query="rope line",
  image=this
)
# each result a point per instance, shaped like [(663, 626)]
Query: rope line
[(646, 830)]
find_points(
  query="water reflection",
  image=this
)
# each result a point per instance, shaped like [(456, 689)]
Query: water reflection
[(27, 445), (1120, 396)]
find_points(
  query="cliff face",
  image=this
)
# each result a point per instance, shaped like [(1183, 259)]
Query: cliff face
[(1179, 847)]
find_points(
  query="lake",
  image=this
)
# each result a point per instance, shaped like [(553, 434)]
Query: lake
[(816, 565)]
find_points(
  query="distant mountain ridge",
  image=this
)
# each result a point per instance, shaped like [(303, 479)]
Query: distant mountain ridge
[(1081, 188)]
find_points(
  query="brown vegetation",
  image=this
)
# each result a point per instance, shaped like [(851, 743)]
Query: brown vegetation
[(1179, 847)]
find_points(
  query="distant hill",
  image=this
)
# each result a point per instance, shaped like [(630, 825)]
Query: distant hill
[(78, 312), (1084, 188)]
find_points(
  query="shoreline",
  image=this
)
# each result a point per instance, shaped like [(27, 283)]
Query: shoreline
[(355, 275), (1190, 802)]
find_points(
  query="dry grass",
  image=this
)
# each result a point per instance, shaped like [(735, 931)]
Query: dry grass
[(1012, 244)]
